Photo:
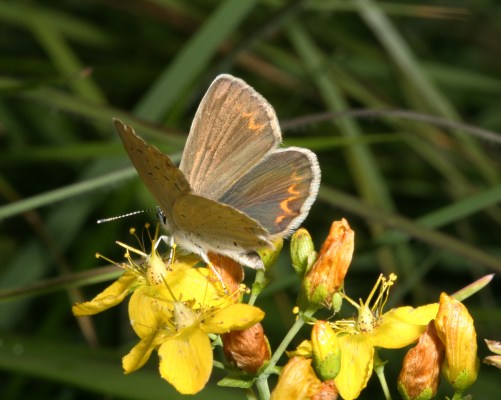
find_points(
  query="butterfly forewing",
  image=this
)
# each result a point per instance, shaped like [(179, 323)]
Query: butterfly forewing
[(279, 191), (215, 226), (233, 130), (162, 178)]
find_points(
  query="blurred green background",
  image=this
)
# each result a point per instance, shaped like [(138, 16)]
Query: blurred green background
[(423, 198)]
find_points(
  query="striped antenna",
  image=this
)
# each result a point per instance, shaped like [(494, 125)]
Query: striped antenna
[(102, 221)]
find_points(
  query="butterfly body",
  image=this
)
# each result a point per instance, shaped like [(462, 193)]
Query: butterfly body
[(235, 191)]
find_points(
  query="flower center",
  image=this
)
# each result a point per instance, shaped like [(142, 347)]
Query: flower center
[(184, 316), (369, 317)]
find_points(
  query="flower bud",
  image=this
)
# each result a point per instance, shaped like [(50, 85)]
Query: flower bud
[(270, 256), (327, 391), (495, 347), (326, 276), (337, 302), (456, 331), (231, 272), (297, 380), (326, 351), (302, 251), (420, 374), (247, 349)]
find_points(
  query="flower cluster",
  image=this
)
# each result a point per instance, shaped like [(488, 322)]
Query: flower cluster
[(174, 309), (343, 354), (182, 312)]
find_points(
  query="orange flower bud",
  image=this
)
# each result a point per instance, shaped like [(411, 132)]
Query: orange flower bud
[(297, 381), (420, 374), (327, 274), (327, 391), (326, 350), (230, 271), (456, 331), (247, 349)]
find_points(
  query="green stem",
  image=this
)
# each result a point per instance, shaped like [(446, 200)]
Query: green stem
[(379, 369), (257, 287), (263, 388), (287, 339), (457, 396), (250, 395), (262, 381)]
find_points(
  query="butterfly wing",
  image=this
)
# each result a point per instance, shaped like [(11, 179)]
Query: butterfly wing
[(162, 178), (216, 227), (233, 130), (279, 191)]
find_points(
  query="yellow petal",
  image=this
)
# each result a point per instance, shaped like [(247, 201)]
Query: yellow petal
[(148, 307), (139, 354), (297, 380), (402, 326), (186, 361), (193, 284), (357, 356), (108, 298), (303, 350), (232, 317)]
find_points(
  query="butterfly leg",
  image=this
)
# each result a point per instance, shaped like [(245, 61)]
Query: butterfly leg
[(206, 260), (169, 241)]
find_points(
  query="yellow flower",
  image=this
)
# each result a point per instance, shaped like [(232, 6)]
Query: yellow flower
[(358, 337), (456, 331), (173, 309), (152, 272), (297, 380), (183, 344)]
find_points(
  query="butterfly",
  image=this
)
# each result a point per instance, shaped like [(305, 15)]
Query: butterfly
[(236, 190)]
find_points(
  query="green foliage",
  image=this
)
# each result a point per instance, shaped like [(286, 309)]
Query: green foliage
[(422, 197)]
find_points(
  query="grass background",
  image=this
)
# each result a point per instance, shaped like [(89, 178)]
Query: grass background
[(423, 198)]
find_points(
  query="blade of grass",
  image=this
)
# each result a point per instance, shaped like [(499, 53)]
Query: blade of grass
[(66, 192), (410, 67), (20, 14), (44, 286), (64, 58), (361, 162), (411, 228), (94, 370), (90, 110), (192, 59)]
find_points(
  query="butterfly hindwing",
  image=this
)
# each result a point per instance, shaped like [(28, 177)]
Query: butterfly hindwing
[(279, 191)]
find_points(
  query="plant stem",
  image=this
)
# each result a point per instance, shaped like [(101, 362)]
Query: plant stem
[(250, 395), (379, 369), (263, 377), (263, 388), (257, 287)]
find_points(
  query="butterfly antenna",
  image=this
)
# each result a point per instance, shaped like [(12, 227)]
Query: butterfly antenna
[(102, 221)]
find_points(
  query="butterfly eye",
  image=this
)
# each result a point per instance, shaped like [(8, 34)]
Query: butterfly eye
[(161, 216)]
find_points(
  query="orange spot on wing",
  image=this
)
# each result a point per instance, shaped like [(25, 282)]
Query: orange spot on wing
[(253, 126), (284, 204)]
